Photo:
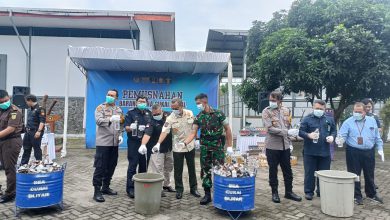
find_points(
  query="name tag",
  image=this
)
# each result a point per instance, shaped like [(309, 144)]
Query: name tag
[(360, 140)]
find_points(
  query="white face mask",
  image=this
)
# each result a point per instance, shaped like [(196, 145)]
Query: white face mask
[(200, 107), (176, 112), (273, 105), (158, 117), (318, 113)]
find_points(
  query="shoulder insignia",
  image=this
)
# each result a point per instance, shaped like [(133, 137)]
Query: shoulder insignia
[(99, 108), (13, 116), (166, 124)]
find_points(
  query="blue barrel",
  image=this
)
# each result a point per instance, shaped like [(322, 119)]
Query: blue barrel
[(234, 194), (39, 190)]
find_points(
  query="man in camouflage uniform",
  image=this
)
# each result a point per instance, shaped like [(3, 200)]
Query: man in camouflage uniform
[(277, 121), (212, 124), (108, 140)]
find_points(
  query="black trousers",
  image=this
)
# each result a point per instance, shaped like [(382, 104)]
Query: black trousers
[(29, 142), (358, 160), (178, 164), (135, 159), (106, 159), (282, 157), (311, 164)]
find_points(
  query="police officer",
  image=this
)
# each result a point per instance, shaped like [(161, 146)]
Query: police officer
[(11, 126), (362, 137), (316, 148), (34, 130), (212, 124), (136, 121), (161, 161), (277, 121), (181, 121), (108, 118)]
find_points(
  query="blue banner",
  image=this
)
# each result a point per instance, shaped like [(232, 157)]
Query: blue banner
[(157, 87)]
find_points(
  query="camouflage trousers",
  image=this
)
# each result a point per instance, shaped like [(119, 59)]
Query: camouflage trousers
[(209, 157)]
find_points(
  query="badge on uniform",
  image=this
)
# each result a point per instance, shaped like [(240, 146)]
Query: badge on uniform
[(13, 116), (360, 140), (166, 124)]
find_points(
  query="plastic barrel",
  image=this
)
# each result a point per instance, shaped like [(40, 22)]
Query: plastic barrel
[(39, 190), (234, 194), (147, 188), (337, 192)]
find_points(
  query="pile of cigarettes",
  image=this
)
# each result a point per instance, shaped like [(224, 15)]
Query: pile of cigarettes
[(233, 170), (39, 167)]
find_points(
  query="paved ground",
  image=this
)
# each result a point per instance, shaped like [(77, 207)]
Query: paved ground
[(79, 204)]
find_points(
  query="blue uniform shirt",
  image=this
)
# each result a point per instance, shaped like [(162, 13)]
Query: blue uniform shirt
[(366, 128), (326, 126)]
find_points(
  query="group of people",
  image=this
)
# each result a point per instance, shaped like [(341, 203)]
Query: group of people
[(11, 129), (360, 133), (159, 142)]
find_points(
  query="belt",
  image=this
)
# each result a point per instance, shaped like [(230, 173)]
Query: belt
[(31, 129), (10, 137)]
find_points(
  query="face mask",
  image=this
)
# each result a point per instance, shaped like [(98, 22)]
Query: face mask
[(200, 107), (110, 100), (318, 113), (5, 105), (273, 105), (141, 106), (357, 116), (157, 117), (176, 111)]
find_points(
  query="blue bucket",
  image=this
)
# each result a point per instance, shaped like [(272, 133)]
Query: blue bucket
[(234, 194), (39, 190)]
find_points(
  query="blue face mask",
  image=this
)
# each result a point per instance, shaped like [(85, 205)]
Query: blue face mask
[(318, 113), (273, 105), (357, 116), (5, 105), (158, 117), (110, 100), (142, 106), (176, 111), (200, 107)]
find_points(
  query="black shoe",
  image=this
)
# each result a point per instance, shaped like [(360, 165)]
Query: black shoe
[(359, 201), (206, 199), (169, 189), (110, 192), (195, 193), (6, 198), (163, 194), (318, 195), (130, 194), (376, 187), (97, 196), (376, 198), (308, 196), (292, 196), (275, 197), (179, 195)]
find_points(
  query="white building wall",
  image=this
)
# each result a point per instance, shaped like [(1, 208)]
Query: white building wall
[(48, 56)]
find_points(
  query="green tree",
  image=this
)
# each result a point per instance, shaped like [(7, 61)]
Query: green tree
[(340, 47), (385, 115)]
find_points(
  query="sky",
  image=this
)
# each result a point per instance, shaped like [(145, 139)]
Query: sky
[(193, 17)]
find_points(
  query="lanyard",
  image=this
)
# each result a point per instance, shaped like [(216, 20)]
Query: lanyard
[(360, 130)]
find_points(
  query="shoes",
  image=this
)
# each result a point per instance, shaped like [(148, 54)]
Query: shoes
[(308, 196), (376, 198), (206, 199), (169, 189), (179, 195), (275, 196), (108, 191), (6, 198), (130, 194), (292, 196), (98, 196), (195, 193), (318, 195), (359, 201)]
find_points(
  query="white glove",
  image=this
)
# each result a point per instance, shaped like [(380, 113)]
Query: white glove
[(382, 154), (229, 150), (291, 148), (313, 135), (133, 126), (141, 128), (197, 144), (340, 141), (120, 140), (115, 118), (180, 145), (293, 132), (156, 148), (142, 150), (330, 139)]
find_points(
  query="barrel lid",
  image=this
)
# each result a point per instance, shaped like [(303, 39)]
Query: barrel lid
[(337, 174)]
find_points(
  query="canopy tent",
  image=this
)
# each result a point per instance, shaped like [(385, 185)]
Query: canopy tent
[(118, 59)]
